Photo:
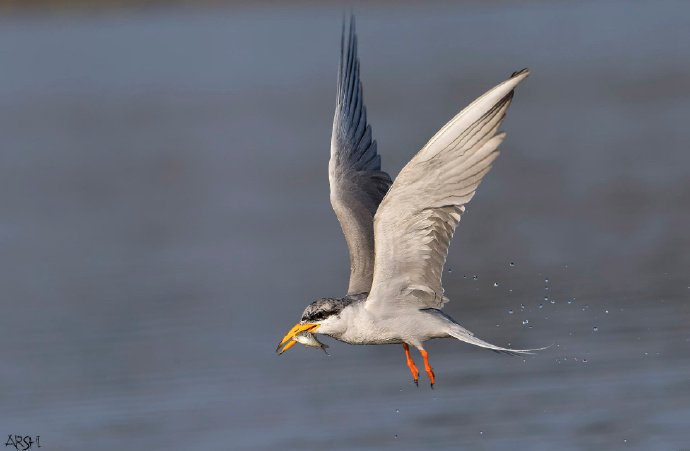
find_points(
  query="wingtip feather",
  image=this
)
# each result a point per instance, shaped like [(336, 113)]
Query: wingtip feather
[(522, 72)]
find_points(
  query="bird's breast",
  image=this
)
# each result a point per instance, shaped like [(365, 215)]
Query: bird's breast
[(365, 330)]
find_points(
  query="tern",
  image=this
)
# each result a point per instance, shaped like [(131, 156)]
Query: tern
[(398, 233)]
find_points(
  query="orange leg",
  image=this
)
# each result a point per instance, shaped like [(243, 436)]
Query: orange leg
[(429, 370), (411, 365)]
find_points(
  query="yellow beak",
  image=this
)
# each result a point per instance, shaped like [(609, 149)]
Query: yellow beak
[(289, 337)]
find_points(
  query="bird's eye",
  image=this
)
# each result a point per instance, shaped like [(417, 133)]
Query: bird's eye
[(316, 316)]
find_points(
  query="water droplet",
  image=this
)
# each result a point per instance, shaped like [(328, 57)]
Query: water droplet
[(450, 269), (475, 277), (526, 321), (546, 287), (522, 306), (481, 432), (595, 329), (584, 360), (397, 410), (541, 305), (396, 436), (546, 298), (546, 280), (570, 301), (513, 264), (495, 284), (553, 301), (510, 290), (510, 311), (606, 311)]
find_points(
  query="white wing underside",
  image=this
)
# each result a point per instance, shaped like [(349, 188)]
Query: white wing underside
[(416, 220)]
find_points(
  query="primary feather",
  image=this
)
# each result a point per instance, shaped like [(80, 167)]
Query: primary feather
[(354, 170)]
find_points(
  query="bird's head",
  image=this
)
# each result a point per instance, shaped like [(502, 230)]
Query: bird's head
[(320, 316)]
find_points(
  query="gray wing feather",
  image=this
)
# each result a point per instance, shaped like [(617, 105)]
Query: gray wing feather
[(354, 171), (416, 220)]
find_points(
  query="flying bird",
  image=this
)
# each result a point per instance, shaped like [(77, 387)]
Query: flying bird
[(398, 233)]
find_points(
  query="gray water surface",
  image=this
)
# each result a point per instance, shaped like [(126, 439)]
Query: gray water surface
[(164, 219)]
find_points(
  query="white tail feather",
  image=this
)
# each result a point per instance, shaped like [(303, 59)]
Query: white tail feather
[(465, 335)]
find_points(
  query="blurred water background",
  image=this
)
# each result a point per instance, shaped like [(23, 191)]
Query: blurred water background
[(164, 219)]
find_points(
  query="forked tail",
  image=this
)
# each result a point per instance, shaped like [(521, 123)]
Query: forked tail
[(455, 330), (462, 334)]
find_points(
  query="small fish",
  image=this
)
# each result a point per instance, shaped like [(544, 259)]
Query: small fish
[(309, 339)]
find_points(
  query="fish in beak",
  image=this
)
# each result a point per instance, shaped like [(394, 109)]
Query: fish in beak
[(288, 339)]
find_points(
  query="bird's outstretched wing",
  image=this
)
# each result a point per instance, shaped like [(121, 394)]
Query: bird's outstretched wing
[(417, 218), (354, 170)]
